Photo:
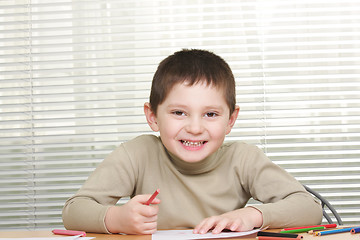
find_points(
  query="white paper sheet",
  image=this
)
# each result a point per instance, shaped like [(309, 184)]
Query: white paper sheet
[(51, 238), (188, 234)]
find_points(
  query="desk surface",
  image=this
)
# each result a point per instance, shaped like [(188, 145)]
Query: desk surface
[(28, 234)]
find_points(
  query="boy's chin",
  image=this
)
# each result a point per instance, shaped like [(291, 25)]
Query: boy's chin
[(192, 159)]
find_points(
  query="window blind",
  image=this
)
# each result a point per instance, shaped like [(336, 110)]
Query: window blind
[(75, 74)]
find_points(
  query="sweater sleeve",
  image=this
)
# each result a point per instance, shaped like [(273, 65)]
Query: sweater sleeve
[(285, 201), (114, 178)]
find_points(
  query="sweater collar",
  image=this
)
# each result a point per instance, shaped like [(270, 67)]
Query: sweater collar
[(203, 166)]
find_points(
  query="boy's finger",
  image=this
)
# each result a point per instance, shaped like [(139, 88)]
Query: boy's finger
[(235, 227), (198, 227), (152, 219), (144, 198), (155, 202), (149, 211), (206, 225), (149, 228), (221, 225)]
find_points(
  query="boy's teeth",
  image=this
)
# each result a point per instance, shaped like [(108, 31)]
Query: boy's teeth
[(192, 144)]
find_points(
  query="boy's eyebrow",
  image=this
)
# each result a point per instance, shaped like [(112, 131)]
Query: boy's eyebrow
[(180, 105), (176, 105)]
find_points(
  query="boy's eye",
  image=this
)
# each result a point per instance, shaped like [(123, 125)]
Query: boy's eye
[(210, 114), (178, 113)]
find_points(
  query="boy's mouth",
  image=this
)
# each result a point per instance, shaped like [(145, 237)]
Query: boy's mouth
[(192, 143)]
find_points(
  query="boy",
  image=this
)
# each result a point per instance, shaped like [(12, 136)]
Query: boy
[(204, 182)]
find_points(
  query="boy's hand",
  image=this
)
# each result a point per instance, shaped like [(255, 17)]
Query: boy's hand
[(239, 220), (134, 217)]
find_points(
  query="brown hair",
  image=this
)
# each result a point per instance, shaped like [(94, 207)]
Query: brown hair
[(192, 66)]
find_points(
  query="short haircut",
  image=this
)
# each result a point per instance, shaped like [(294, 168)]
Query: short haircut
[(191, 67)]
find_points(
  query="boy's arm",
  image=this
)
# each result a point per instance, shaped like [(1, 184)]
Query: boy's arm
[(112, 179), (285, 201), (134, 217), (81, 213), (297, 209)]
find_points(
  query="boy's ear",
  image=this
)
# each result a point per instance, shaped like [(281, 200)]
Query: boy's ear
[(151, 117), (232, 119)]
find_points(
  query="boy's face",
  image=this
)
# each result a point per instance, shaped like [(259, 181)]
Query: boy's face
[(192, 121)]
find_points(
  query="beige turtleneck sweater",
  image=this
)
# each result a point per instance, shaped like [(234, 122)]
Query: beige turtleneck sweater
[(191, 192)]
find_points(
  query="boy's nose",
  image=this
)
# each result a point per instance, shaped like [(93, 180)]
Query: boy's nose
[(194, 125)]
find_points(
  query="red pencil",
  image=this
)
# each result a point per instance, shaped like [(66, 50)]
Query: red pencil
[(152, 197), (325, 225), (69, 232)]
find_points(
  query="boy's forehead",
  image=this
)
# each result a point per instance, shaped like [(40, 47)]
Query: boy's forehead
[(201, 84), (197, 85)]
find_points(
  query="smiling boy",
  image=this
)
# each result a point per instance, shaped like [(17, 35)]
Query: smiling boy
[(205, 183)]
